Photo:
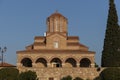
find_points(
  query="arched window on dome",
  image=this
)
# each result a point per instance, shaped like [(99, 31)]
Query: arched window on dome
[(52, 26), (56, 25), (61, 24)]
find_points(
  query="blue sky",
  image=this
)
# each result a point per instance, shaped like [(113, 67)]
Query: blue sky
[(22, 20)]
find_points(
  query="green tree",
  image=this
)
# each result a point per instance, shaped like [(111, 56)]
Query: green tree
[(110, 53), (118, 54), (8, 74), (97, 78), (78, 78), (96, 65), (28, 75), (67, 78), (110, 74)]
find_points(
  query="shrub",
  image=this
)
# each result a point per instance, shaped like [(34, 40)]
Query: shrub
[(28, 75), (67, 78), (110, 74), (9, 74), (78, 78)]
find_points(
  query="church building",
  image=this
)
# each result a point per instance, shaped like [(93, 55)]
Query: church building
[(56, 55)]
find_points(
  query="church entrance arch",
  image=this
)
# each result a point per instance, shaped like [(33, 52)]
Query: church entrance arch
[(41, 62), (56, 62), (85, 62), (70, 62), (26, 62)]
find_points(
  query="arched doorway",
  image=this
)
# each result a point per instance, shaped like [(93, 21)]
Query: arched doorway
[(41, 62), (27, 62), (56, 62), (70, 62), (85, 62)]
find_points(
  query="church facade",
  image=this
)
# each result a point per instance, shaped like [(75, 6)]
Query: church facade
[(56, 55)]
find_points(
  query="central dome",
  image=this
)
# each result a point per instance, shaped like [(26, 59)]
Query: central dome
[(56, 22), (57, 14)]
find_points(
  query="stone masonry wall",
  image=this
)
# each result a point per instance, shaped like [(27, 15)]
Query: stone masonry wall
[(58, 73)]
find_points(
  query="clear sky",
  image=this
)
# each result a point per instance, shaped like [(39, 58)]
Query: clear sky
[(22, 20)]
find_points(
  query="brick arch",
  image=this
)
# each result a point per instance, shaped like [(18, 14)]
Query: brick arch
[(41, 57), (87, 58), (41, 62), (55, 57), (27, 57), (26, 62), (56, 62), (77, 60), (85, 62), (71, 62)]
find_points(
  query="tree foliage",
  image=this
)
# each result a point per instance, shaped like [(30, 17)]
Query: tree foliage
[(67, 78), (110, 74), (70, 78), (110, 53), (78, 78), (13, 74), (28, 75), (97, 78), (8, 74)]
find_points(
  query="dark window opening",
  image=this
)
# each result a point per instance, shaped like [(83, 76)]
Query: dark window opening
[(27, 62), (85, 62), (51, 78), (56, 62), (72, 61), (43, 61)]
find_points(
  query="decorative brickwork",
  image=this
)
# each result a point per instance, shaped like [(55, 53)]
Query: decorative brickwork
[(56, 54)]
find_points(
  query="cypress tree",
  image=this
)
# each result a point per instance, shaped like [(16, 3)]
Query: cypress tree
[(111, 53)]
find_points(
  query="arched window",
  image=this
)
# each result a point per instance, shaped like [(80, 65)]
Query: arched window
[(56, 24), (27, 62), (56, 44), (56, 62), (41, 62), (61, 24), (85, 62), (70, 62)]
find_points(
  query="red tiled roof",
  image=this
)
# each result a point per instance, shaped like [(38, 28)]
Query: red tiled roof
[(61, 51), (73, 37), (83, 45), (6, 65), (56, 14), (39, 43), (39, 37), (72, 44)]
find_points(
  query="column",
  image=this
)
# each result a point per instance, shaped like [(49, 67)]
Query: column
[(19, 65), (92, 65), (48, 65), (63, 64), (78, 65), (33, 65)]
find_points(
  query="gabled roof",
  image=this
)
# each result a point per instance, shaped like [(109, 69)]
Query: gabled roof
[(73, 37), (41, 51), (4, 64), (57, 34), (39, 43), (72, 44), (39, 37)]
